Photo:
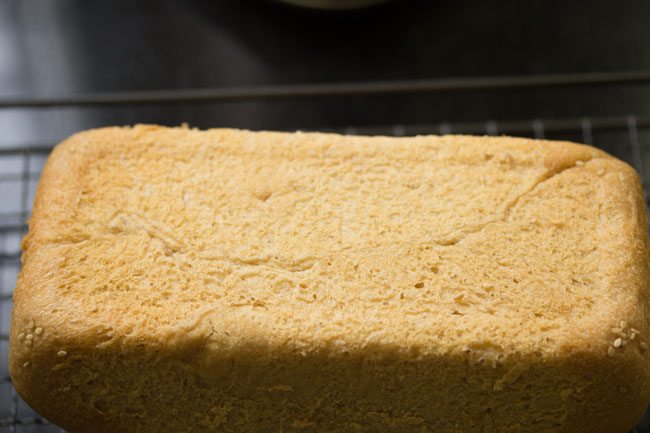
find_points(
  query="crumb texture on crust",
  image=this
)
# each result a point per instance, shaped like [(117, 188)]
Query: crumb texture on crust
[(224, 280)]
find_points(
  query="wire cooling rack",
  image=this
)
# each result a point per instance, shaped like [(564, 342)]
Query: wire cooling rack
[(626, 136)]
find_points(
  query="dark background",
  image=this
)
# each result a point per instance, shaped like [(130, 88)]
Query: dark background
[(59, 47), (81, 45)]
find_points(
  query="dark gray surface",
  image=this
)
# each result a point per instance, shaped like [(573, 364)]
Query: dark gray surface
[(63, 46), (78, 45)]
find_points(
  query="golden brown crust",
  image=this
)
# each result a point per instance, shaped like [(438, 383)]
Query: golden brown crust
[(444, 284)]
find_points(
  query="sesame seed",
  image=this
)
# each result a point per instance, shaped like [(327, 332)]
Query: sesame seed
[(27, 364), (28, 342), (623, 324), (21, 336), (580, 163), (617, 343), (632, 335), (643, 346), (600, 171), (616, 330), (62, 353), (611, 351), (38, 331), (30, 326), (29, 337), (566, 393), (634, 331)]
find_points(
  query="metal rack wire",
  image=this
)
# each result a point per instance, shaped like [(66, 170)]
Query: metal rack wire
[(626, 136)]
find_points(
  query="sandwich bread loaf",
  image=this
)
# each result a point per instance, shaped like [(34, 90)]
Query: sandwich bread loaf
[(177, 280)]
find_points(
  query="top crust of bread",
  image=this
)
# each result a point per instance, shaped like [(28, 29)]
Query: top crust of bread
[(224, 244)]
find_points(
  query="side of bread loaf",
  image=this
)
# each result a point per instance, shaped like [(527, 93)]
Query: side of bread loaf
[(176, 280)]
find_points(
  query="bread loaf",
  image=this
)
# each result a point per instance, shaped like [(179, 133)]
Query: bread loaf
[(177, 280)]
